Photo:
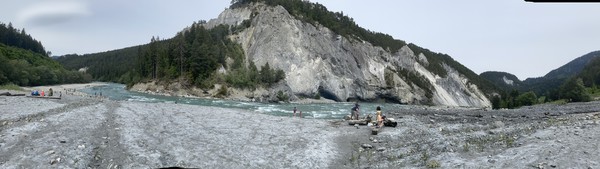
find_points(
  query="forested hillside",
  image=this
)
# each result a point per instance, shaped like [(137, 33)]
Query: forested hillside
[(555, 78), (572, 82), (19, 38), (192, 57), (25, 68), (106, 66), (590, 74), (504, 81), (24, 62)]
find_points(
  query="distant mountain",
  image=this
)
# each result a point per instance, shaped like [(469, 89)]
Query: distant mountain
[(502, 80), (558, 76)]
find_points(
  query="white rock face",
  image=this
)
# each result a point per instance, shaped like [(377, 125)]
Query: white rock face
[(507, 81), (317, 60)]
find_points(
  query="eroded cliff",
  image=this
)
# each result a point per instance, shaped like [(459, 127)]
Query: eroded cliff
[(316, 60)]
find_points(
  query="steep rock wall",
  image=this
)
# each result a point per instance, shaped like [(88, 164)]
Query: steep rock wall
[(317, 60)]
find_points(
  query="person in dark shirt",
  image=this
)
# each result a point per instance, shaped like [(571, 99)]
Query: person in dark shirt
[(355, 111)]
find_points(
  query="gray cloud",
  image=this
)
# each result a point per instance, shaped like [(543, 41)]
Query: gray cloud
[(46, 13)]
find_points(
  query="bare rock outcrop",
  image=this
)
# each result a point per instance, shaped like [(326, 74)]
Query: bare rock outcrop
[(316, 60)]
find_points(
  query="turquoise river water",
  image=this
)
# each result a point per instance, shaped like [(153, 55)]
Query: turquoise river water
[(116, 91)]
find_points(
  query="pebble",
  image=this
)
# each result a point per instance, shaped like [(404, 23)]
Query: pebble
[(381, 149), (81, 146), (49, 152), (54, 161), (366, 146)]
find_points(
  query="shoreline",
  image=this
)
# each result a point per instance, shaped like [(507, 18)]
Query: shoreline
[(235, 94), (67, 89)]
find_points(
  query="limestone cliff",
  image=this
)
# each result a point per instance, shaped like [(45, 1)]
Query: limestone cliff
[(319, 61)]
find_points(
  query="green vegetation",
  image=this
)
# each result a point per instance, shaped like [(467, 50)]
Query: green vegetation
[(282, 96), (110, 66), (417, 80), (25, 68), (317, 96), (192, 57), (433, 164), (10, 36), (560, 88), (10, 87), (24, 62), (222, 91), (514, 99), (574, 91)]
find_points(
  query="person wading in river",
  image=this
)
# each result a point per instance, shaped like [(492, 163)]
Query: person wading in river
[(294, 112), (355, 112)]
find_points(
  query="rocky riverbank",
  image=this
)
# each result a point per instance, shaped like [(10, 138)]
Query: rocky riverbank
[(82, 132), (258, 95)]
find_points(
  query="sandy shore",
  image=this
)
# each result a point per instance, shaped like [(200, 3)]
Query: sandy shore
[(70, 89), (83, 132)]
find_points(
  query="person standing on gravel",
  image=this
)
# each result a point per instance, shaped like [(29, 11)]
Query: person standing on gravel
[(355, 112)]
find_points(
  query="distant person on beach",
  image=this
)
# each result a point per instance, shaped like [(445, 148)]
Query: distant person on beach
[(355, 112), (294, 112), (379, 117), (50, 92)]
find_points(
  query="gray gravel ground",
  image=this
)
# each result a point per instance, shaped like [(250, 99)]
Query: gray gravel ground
[(83, 132), (80, 132)]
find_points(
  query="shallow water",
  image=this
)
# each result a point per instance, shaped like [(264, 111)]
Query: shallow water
[(116, 91)]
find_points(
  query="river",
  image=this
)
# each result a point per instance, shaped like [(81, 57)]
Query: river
[(116, 91)]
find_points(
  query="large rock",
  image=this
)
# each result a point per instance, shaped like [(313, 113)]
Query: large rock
[(317, 60)]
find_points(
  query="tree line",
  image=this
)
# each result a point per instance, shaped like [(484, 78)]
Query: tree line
[(19, 38), (24, 61), (26, 68), (193, 57), (578, 88)]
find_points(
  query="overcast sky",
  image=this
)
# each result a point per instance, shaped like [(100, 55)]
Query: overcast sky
[(526, 39)]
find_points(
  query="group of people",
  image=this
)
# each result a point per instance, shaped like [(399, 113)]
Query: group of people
[(42, 93), (355, 114), (379, 116)]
